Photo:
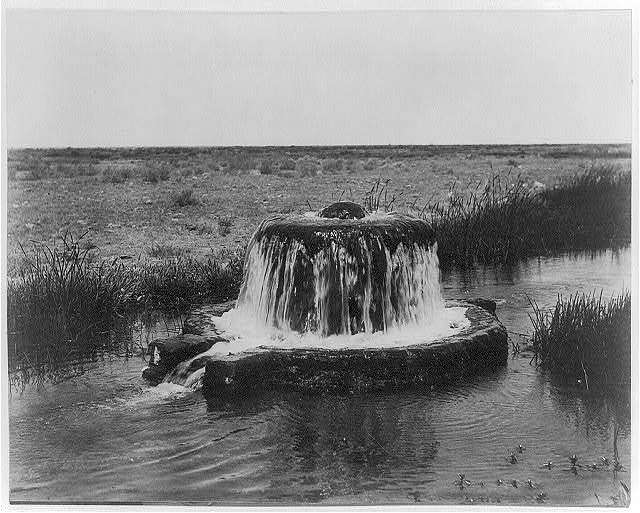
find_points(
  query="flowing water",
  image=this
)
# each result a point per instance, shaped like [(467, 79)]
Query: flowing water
[(107, 436)]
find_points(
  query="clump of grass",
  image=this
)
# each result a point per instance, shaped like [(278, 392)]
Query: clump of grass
[(592, 210), (287, 164), (224, 225), (492, 225), (379, 197), (185, 198), (162, 250), (306, 166), (267, 167), (369, 165), (38, 171), (156, 174), (585, 338), (332, 166), (505, 221), (64, 310), (116, 174), (239, 162), (71, 170), (60, 307), (179, 283)]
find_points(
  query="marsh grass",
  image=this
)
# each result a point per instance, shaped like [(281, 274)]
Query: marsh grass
[(379, 197), (177, 284), (585, 337), (506, 220), (62, 308)]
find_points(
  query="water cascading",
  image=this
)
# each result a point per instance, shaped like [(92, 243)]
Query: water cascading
[(341, 271), (342, 298)]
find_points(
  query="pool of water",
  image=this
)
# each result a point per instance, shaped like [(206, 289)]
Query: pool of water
[(107, 436)]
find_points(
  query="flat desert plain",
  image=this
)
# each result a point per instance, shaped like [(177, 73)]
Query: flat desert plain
[(154, 203)]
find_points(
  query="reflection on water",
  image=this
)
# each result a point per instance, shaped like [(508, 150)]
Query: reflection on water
[(108, 436)]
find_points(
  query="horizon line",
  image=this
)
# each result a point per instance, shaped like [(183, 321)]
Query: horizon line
[(629, 143)]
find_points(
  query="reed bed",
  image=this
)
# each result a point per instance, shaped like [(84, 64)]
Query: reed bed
[(63, 308), (176, 284), (585, 337), (506, 220)]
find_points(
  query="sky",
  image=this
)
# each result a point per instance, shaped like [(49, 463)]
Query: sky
[(145, 78)]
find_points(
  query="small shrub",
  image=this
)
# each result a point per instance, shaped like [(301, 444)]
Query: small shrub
[(306, 166), (39, 171), (369, 165), (239, 162), (201, 228), (116, 174), (224, 225), (71, 170), (155, 174), (287, 164), (185, 198), (267, 167), (162, 250), (332, 165)]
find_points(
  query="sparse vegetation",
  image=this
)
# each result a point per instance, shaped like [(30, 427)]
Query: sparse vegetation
[(369, 165), (332, 166), (155, 174), (306, 166), (379, 197), (585, 338), (116, 174), (267, 167), (287, 164), (239, 162)]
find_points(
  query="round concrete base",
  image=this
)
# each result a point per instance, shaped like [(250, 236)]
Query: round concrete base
[(481, 345)]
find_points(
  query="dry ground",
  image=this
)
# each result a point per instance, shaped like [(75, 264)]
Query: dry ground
[(126, 199)]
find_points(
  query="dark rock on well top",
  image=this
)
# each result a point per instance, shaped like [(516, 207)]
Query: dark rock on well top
[(343, 210)]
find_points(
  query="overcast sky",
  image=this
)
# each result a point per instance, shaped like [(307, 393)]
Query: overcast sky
[(139, 78)]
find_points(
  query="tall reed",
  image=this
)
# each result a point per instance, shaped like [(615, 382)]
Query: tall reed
[(178, 283), (60, 307), (585, 338), (506, 220)]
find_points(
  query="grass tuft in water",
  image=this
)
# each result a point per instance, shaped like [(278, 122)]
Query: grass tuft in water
[(585, 338), (61, 307), (64, 309)]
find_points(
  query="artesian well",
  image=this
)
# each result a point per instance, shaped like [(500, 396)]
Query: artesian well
[(329, 297)]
